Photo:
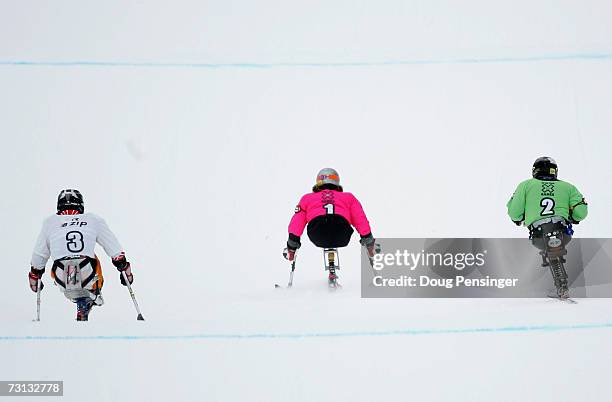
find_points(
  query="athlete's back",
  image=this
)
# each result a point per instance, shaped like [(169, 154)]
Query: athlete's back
[(329, 202), (536, 199), (71, 235)]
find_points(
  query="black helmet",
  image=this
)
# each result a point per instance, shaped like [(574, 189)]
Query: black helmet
[(545, 168), (70, 199)]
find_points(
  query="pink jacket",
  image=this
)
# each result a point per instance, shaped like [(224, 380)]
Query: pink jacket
[(329, 202)]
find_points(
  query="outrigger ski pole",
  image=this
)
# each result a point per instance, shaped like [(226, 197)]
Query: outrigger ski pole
[(37, 300), (290, 284), (139, 317)]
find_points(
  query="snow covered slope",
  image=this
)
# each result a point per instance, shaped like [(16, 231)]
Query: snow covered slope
[(194, 128)]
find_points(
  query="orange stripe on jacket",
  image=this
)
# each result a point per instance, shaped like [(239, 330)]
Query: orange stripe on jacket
[(100, 282)]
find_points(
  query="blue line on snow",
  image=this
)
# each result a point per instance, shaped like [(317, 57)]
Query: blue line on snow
[(246, 336), (474, 60)]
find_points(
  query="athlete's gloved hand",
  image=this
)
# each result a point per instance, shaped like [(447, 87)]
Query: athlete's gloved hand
[(289, 254), (293, 243), (122, 266), (373, 249), (128, 273), (518, 223), (370, 244), (120, 262), (34, 276)]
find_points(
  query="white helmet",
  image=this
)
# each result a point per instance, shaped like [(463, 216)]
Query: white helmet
[(328, 176)]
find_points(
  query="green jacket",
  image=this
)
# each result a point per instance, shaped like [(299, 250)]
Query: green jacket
[(536, 199)]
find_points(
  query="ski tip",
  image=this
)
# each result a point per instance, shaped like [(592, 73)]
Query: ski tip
[(140, 317)]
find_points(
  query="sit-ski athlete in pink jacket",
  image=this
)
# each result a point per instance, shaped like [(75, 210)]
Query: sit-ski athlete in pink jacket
[(330, 215)]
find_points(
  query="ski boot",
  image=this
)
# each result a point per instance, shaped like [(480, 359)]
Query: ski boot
[(84, 305)]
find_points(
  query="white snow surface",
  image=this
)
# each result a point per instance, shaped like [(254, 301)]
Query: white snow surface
[(197, 169)]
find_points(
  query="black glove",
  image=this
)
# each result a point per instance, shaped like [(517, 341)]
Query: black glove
[(34, 276), (293, 243), (120, 262), (122, 266), (128, 273), (370, 244), (518, 223)]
